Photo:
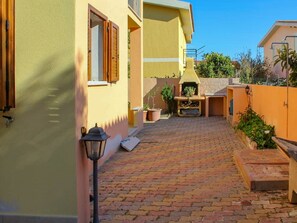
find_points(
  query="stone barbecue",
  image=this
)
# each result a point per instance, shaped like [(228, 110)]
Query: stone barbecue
[(189, 106)]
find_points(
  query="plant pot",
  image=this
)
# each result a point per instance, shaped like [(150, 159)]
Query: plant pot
[(154, 114), (144, 113)]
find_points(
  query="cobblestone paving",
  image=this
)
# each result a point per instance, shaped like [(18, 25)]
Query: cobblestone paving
[(183, 171)]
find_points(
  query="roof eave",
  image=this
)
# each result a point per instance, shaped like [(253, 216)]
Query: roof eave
[(274, 28), (186, 14)]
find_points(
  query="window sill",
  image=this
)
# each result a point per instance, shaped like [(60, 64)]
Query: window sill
[(97, 83)]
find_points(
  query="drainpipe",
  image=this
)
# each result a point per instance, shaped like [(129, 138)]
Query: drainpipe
[(287, 78)]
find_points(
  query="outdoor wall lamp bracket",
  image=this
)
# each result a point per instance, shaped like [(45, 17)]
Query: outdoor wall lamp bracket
[(248, 90), (94, 143)]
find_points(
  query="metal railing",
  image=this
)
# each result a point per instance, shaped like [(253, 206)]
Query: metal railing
[(135, 6), (192, 53)]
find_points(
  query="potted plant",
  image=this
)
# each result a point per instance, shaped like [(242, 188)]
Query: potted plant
[(145, 108), (153, 114), (189, 91), (167, 96)]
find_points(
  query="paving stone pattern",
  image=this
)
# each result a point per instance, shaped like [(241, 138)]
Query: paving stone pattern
[(183, 171)]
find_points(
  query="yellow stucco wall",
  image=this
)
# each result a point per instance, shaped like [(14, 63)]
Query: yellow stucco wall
[(182, 46), (161, 69), (161, 48), (37, 168), (279, 36), (106, 104), (43, 168)]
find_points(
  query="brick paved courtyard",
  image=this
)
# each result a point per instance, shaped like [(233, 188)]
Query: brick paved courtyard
[(183, 171)]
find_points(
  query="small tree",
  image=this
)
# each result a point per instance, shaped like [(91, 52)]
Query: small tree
[(253, 70), (167, 96), (152, 95), (281, 58), (215, 65)]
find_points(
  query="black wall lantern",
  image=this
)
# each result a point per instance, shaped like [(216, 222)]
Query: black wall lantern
[(247, 90), (94, 142)]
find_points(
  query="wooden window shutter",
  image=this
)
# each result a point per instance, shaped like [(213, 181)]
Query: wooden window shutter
[(105, 51), (7, 48), (113, 52)]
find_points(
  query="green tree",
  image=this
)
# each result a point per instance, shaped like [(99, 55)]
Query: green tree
[(253, 70), (215, 65), (281, 58)]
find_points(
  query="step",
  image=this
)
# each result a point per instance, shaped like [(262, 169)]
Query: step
[(263, 169)]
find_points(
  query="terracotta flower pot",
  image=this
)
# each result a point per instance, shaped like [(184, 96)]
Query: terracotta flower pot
[(144, 113), (154, 114)]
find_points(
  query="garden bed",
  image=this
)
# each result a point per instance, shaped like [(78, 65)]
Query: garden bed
[(246, 140), (254, 132)]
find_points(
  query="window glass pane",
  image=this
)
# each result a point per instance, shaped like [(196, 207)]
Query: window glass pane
[(96, 48)]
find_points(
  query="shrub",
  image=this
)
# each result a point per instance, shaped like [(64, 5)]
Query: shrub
[(168, 96), (253, 70), (256, 129)]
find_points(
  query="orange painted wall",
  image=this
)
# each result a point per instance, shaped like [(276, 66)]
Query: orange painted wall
[(156, 84), (292, 114), (216, 106), (240, 102), (269, 102)]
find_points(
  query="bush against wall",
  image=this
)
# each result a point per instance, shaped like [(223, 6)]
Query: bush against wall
[(215, 65), (256, 129), (168, 96)]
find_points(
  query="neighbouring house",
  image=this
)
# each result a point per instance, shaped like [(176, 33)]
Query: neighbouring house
[(168, 27), (277, 34), (64, 65)]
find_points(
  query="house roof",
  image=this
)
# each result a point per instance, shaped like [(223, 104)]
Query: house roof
[(274, 28), (186, 14)]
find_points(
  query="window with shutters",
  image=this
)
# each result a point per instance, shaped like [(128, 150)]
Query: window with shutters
[(7, 47), (103, 49)]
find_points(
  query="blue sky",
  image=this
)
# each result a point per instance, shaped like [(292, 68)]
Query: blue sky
[(234, 26)]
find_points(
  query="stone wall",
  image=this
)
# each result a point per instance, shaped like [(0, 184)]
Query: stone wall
[(216, 85)]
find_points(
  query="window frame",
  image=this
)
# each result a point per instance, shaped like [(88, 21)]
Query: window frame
[(93, 10)]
